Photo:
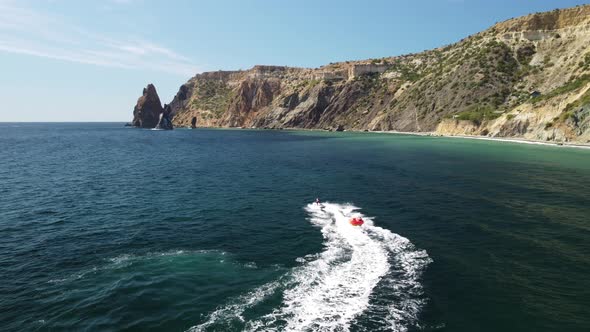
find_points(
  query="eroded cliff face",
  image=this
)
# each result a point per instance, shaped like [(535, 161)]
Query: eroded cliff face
[(562, 118), (527, 77), (550, 101)]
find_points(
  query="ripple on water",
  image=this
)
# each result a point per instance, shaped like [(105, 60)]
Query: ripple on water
[(158, 284)]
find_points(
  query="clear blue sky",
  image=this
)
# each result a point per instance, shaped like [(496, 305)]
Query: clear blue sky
[(74, 60)]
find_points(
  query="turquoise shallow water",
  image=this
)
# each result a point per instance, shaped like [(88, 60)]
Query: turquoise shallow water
[(105, 228)]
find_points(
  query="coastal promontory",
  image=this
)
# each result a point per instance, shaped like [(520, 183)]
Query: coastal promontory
[(527, 77)]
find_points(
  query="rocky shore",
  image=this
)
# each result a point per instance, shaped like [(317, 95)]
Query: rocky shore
[(525, 78)]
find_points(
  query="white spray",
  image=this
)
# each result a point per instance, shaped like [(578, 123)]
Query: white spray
[(333, 288)]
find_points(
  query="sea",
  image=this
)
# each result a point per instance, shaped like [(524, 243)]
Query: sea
[(110, 228)]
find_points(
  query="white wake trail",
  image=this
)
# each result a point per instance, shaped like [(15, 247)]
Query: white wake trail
[(330, 291)]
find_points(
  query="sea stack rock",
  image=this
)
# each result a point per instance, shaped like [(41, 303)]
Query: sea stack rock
[(146, 113), (165, 119), (194, 122)]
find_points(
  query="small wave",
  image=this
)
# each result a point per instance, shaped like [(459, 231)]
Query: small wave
[(75, 276), (126, 260), (332, 289), (234, 310), (250, 265)]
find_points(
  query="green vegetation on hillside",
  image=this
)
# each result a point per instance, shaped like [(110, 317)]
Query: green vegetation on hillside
[(479, 113), (570, 109), (376, 90), (585, 63), (214, 96), (570, 86), (407, 72)]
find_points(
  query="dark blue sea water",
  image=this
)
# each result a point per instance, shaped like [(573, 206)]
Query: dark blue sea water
[(105, 228)]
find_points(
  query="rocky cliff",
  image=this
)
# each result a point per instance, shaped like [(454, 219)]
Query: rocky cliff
[(526, 77), (149, 113), (146, 113)]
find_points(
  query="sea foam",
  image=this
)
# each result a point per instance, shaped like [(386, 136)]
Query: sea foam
[(332, 290)]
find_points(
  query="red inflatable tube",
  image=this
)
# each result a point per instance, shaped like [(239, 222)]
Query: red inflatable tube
[(357, 221)]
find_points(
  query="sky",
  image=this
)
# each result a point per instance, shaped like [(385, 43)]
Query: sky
[(69, 60)]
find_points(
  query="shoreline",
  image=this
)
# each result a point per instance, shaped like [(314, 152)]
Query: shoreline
[(525, 141), (485, 138), (497, 139), (431, 134)]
